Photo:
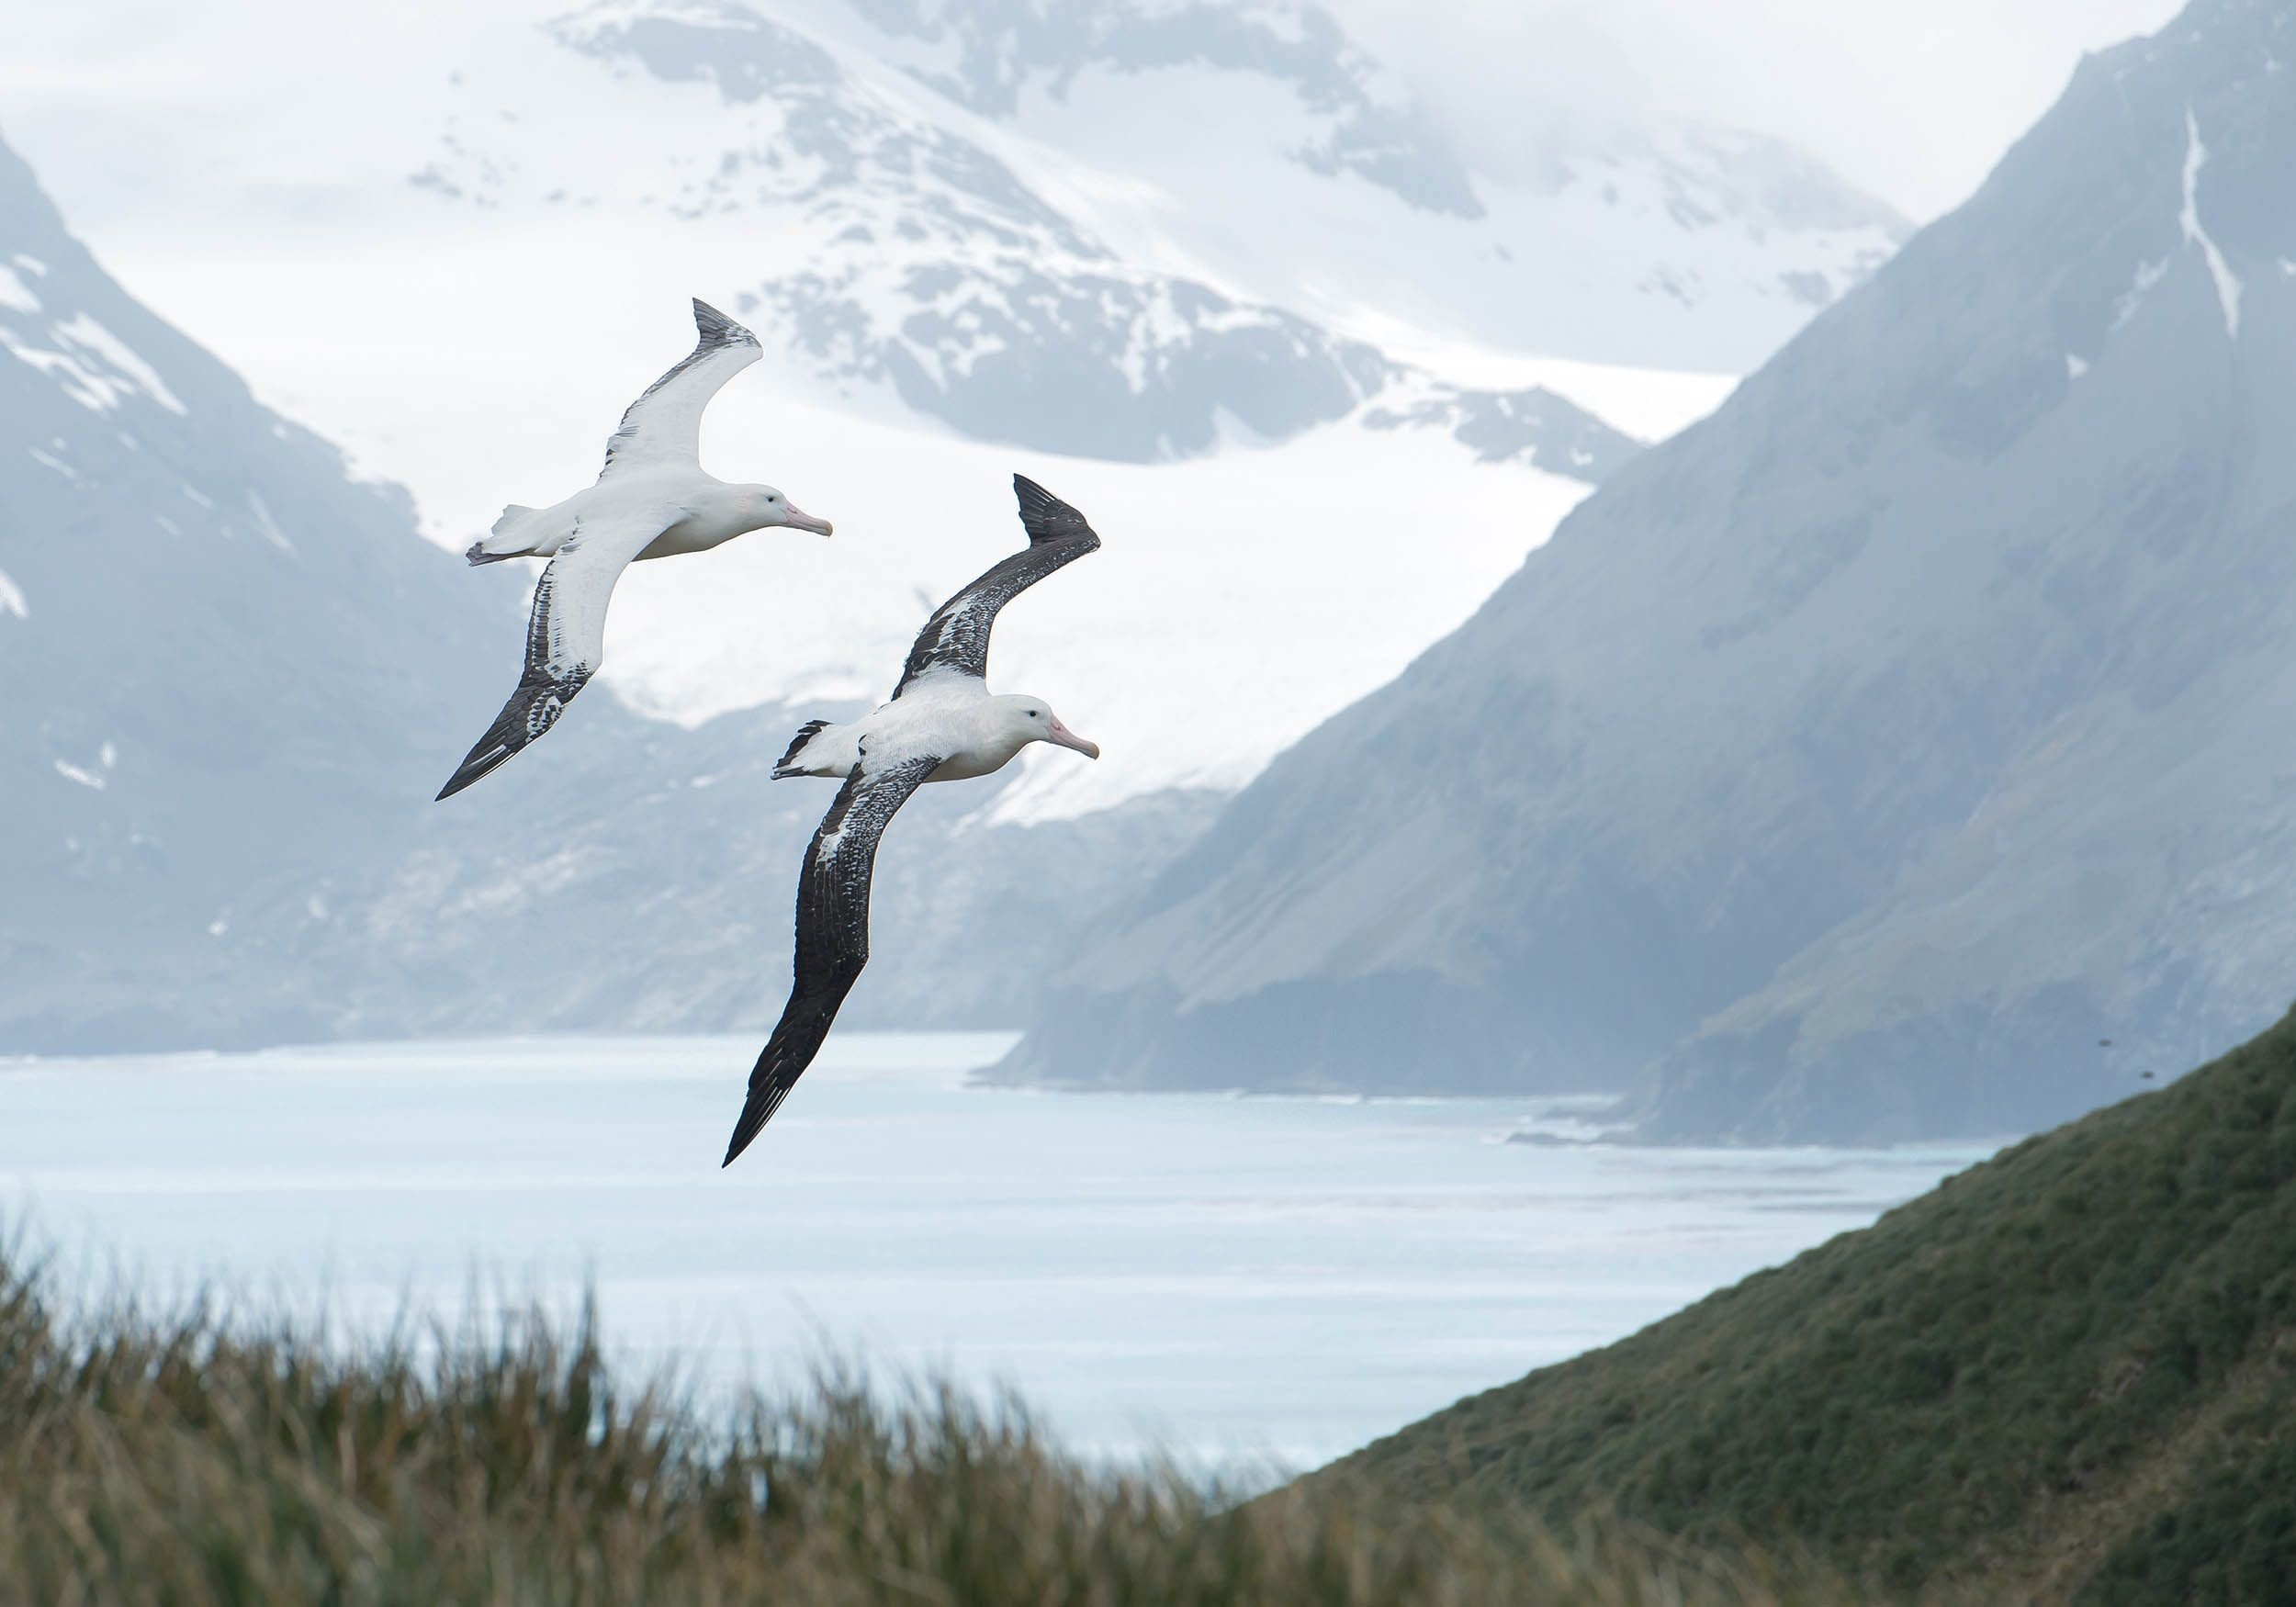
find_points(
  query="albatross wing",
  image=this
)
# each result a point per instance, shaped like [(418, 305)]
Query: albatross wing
[(832, 929), (566, 634), (662, 429), (955, 640)]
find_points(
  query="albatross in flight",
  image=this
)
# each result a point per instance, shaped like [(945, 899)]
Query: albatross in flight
[(651, 501), (942, 725)]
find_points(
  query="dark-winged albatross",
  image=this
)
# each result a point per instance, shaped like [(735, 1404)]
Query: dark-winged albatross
[(942, 725), (651, 501)]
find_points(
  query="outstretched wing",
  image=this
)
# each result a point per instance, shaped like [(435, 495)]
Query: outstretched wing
[(832, 930), (566, 634), (663, 428), (955, 640)]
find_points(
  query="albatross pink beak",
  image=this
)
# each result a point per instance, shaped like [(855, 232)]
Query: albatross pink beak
[(1067, 738), (797, 519)]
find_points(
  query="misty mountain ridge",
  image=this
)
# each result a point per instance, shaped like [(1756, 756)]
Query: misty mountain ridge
[(982, 211), (1853, 763)]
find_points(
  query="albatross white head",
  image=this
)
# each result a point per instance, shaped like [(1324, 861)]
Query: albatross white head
[(1023, 719), (764, 508)]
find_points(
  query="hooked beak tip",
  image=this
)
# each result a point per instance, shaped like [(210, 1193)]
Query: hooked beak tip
[(1067, 738)]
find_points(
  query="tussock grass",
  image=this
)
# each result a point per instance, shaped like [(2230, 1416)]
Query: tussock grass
[(192, 1458)]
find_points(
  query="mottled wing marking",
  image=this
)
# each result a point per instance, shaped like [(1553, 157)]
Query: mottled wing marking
[(832, 930), (955, 640), (566, 636), (664, 425)]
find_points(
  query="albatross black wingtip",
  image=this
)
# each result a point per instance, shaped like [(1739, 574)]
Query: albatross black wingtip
[(745, 1130), (716, 328), (483, 762), (1044, 516), (534, 707)]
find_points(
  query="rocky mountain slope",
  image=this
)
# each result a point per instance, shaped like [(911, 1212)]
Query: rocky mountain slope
[(1868, 754), (218, 650)]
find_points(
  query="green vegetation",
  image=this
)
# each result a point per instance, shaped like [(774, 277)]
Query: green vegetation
[(189, 1461), (2068, 1374)]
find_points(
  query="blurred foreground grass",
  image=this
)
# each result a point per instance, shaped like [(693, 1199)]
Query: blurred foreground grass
[(194, 1457)]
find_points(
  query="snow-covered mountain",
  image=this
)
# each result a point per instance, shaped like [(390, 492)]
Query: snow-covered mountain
[(231, 677), (982, 217), (1645, 239), (990, 209), (1904, 749)]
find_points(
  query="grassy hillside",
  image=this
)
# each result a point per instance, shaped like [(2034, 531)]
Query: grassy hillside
[(2069, 1372), (168, 1461)]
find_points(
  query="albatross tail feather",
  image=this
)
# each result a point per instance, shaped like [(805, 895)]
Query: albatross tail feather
[(787, 765), (516, 534)]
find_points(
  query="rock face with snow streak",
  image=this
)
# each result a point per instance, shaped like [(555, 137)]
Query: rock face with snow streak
[(1856, 763), (229, 679), (983, 208)]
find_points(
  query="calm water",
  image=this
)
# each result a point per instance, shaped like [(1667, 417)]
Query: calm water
[(1227, 1277)]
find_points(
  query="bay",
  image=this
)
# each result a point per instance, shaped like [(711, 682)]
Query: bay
[(1244, 1281)]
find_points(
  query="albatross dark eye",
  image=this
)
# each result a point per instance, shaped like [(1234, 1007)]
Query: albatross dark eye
[(1036, 714)]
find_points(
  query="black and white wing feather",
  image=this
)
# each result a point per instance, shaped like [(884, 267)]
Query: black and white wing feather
[(566, 634), (832, 929), (955, 640), (662, 429)]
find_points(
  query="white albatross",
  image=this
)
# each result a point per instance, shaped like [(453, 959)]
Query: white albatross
[(942, 725), (651, 501)]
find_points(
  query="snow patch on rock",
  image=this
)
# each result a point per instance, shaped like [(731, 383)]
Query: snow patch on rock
[(91, 336), (2188, 219)]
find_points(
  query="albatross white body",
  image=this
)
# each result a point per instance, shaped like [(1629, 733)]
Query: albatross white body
[(970, 730), (651, 501), (943, 723), (713, 513)]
